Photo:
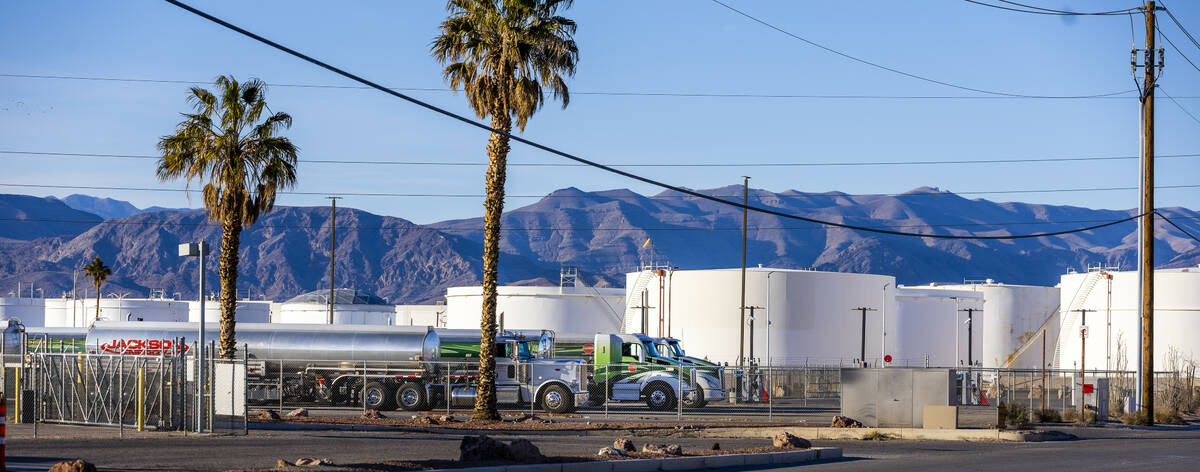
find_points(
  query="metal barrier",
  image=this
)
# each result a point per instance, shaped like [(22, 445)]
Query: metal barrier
[(142, 392)]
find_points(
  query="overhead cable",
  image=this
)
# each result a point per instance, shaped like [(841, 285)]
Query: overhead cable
[(713, 197), (598, 93), (1168, 220), (1176, 102), (597, 165), (1049, 11), (138, 220), (898, 71), (1023, 160)]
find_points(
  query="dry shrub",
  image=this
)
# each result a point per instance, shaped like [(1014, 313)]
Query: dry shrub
[(1017, 416), (1136, 419), (1070, 415), (876, 436), (1049, 415), (1168, 417)]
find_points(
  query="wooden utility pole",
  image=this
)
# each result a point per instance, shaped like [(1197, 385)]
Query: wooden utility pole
[(1146, 224), (1083, 334), (332, 251), (862, 349)]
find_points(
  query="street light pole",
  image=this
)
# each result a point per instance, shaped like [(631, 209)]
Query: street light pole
[(883, 326), (198, 250), (332, 250)]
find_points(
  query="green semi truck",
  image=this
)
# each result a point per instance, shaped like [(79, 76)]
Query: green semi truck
[(632, 367)]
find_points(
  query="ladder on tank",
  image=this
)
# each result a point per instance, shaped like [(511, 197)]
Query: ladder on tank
[(633, 298)]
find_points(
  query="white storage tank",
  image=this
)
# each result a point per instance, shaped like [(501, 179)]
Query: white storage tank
[(1014, 316), (31, 312), (1110, 323), (569, 309), (349, 307), (813, 314), (248, 311), (421, 315), (932, 327)]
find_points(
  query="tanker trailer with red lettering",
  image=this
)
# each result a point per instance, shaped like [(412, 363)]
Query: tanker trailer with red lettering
[(385, 366)]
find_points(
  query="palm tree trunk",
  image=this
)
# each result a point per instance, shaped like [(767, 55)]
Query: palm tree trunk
[(97, 302), (231, 239), (493, 208)]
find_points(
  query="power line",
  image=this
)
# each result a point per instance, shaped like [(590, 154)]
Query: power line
[(1176, 48), (1049, 11), (1176, 102), (1181, 27), (693, 164), (1168, 220), (694, 194), (418, 227), (897, 71), (597, 165), (594, 93)]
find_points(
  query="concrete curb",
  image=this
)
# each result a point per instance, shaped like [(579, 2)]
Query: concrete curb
[(672, 463), (896, 433)]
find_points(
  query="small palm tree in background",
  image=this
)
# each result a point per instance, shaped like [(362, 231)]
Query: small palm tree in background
[(231, 146), (502, 53), (98, 272)]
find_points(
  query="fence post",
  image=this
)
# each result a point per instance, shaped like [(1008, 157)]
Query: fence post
[(246, 389), (331, 391), (448, 389), (679, 399), (141, 399), (121, 394)]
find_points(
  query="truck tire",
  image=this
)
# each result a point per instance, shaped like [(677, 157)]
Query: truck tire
[(695, 399), (411, 396), (378, 396), (557, 399), (659, 396), (597, 393)]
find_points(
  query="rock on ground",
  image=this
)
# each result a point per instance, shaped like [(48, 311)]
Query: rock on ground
[(786, 439), (312, 461), (522, 450), (372, 415), (716, 447), (298, 412), (77, 465), (268, 415), (624, 445), (608, 451), (845, 422), (668, 449)]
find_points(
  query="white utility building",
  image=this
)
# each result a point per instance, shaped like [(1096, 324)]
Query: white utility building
[(349, 307), (564, 309), (1109, 300), (814, 316)]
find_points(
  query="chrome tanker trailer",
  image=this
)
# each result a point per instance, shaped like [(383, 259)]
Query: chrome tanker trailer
[(384, 366)]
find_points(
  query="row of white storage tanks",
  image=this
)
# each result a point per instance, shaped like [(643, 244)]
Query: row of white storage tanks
[(350, 307), (812, 317), (799, 316)]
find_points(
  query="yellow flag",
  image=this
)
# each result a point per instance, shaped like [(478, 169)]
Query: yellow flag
[(647, 243)]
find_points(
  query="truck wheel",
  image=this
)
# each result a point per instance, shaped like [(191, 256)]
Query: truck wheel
[(556, 399), (597, 393), (695, 399), (378, 396), (411, 396), (659, 397)]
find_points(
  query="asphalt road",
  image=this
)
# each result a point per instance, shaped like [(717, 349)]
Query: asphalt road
[(1098, 449)]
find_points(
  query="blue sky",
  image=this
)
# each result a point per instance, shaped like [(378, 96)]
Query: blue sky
[(634, 45)]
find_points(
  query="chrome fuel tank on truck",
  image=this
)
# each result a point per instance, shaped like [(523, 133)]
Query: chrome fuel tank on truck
[(400, 346)]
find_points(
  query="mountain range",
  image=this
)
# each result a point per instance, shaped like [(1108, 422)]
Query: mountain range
[(604, 234)]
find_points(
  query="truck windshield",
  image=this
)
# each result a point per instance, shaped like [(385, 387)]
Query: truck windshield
[(676, 351)]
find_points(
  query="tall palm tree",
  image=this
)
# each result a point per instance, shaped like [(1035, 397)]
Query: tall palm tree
[(231, 146), (502, 53), (98, 272)]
